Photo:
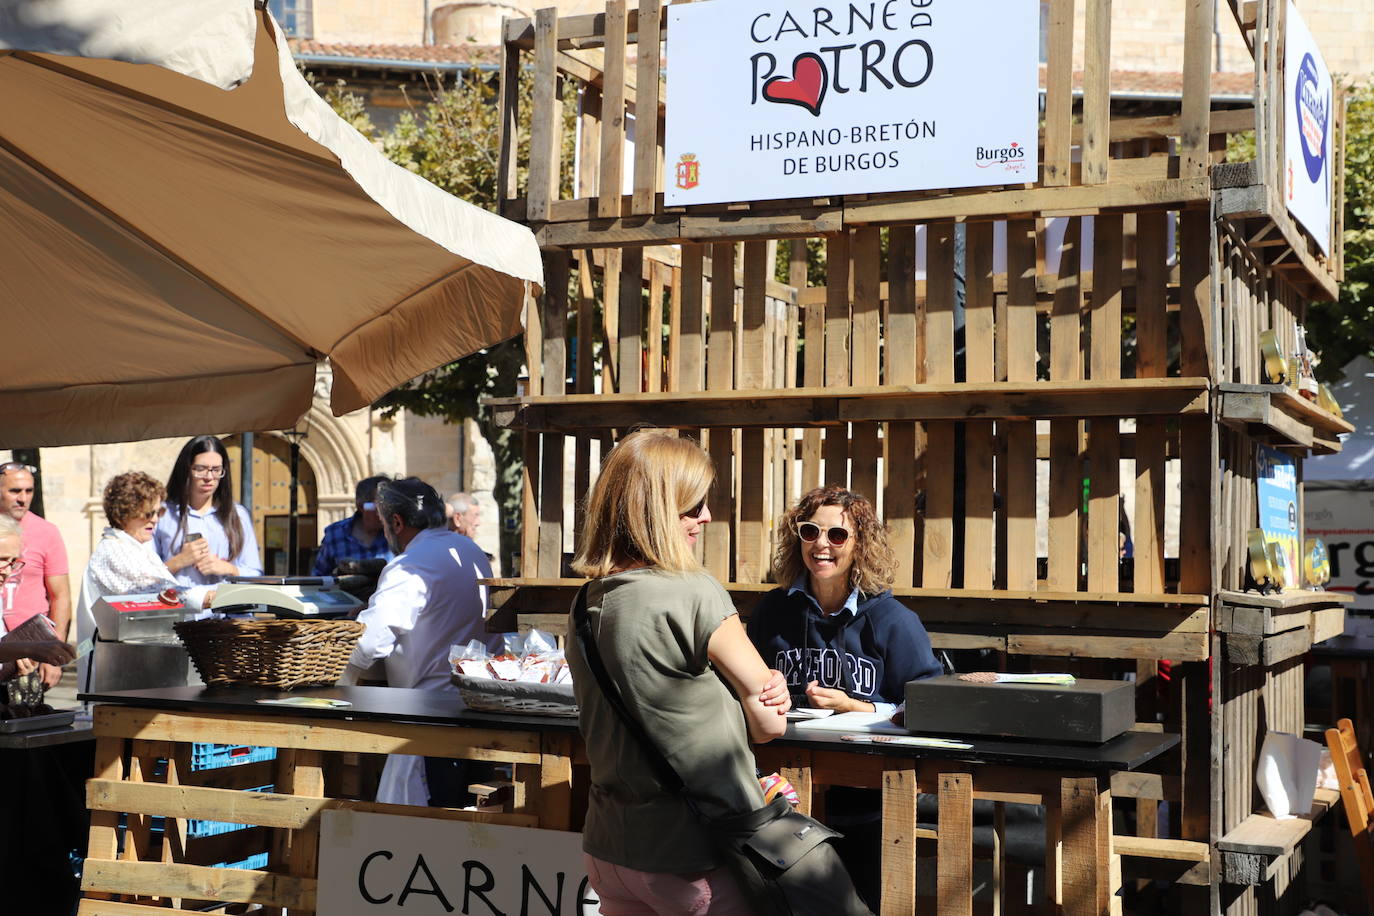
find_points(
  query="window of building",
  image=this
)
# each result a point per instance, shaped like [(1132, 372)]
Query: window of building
[(294, 16)]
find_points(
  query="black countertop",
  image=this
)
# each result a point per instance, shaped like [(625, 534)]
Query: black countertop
[(389, 704), (369, 704), (80, 730)]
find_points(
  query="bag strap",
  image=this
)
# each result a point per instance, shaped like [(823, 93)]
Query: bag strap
[(663, 770)]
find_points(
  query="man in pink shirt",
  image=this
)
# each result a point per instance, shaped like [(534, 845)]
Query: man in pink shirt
[(43, 587)]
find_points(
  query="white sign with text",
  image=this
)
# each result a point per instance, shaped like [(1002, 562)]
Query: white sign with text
[(1307, 131), (1342, 515), (376, 864), (769, 100)]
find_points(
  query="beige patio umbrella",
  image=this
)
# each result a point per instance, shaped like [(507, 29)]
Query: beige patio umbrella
[(186, 229)]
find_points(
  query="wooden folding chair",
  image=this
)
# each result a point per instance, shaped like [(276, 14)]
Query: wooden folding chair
[(1356, 796)]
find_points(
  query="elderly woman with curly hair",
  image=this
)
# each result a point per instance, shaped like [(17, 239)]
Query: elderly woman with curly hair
[(125, 561), (842, 641)]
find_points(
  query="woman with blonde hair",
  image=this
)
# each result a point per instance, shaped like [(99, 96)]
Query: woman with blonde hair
[(673, 645)]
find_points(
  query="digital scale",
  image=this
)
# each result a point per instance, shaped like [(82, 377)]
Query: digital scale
[(135, 647), (284, 596)]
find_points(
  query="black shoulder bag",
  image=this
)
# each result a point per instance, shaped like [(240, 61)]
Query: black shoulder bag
[(781, 857)]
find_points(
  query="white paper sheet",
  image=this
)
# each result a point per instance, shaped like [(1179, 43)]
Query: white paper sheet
[(1287, 774), (858, 722)]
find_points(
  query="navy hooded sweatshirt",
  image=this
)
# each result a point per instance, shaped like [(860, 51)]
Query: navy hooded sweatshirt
[(869, 649)]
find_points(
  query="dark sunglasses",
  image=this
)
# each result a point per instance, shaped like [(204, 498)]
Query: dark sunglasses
[(695, 511), (810, 532)]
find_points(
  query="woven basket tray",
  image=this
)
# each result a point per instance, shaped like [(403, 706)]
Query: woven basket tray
[(269, 653), (523, 697)]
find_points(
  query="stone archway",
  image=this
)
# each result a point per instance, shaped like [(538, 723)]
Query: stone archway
[(340, 459), (341, 451)]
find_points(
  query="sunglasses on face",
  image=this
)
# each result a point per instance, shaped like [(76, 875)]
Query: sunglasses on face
[(153, 514), (695, 511), (810, 532)]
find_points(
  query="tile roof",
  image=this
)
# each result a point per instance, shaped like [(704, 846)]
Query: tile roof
[(308, 50), (1167, 84), (1125, 83)]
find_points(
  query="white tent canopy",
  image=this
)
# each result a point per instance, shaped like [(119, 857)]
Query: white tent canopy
[(1355, 461)]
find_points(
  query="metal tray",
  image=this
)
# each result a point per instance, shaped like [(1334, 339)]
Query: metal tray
[(58, 719)]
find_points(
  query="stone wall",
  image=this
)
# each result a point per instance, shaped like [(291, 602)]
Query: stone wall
[(1147, 34), (452, 457), (379, 22), (340, 450)]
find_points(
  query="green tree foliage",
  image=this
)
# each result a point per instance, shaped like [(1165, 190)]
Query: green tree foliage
[(1344, 329), (453, 141)]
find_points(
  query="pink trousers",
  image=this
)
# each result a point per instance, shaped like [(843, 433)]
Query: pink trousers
[(629, 892)]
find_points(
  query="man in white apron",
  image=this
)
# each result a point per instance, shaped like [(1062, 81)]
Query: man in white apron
[(427, 599)]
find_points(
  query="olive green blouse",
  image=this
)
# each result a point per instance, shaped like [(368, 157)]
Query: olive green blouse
[(652, 629)]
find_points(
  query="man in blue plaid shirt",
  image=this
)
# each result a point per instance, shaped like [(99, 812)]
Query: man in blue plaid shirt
[(358, 537)]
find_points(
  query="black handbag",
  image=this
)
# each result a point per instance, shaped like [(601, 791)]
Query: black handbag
[(783, 859)]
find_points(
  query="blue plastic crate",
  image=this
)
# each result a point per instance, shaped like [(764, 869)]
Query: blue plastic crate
[(218, 756), (252, 862), (196, 828)]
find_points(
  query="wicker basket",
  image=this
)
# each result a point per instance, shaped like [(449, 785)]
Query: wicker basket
[(269, 653), (520, 697)]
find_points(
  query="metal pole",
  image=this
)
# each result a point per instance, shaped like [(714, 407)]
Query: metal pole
[(293, 536), (246, 472)]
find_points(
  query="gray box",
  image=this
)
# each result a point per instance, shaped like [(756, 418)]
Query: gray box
[(1090, 711)]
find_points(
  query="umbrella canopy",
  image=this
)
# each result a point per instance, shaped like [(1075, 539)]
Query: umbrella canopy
[(186, 229)]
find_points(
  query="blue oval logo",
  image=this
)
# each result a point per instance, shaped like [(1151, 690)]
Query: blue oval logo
[(1314, 117)]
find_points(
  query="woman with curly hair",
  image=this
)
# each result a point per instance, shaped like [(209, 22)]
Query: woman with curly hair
[(833, 627), (842, 642), (124, 561)]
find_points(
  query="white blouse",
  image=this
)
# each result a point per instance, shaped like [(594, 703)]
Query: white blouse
[(120, 565)]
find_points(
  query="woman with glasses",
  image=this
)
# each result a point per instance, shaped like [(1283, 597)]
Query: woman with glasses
[(16, 656), (671, 641), (205, 536), (124, 561), (842, 641), (833, 627)]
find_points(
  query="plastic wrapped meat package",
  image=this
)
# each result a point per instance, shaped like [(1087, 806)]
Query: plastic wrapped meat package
[(531, 658)]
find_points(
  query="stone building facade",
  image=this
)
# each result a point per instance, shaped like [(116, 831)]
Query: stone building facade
[(1146, 34), (336, 452)]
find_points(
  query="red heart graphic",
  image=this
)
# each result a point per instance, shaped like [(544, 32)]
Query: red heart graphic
[(806, 87)]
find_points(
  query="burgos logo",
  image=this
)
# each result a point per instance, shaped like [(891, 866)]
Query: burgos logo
[(1010, 158)]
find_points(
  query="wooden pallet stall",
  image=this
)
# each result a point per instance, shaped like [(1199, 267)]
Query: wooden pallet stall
[(1023, 378)]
